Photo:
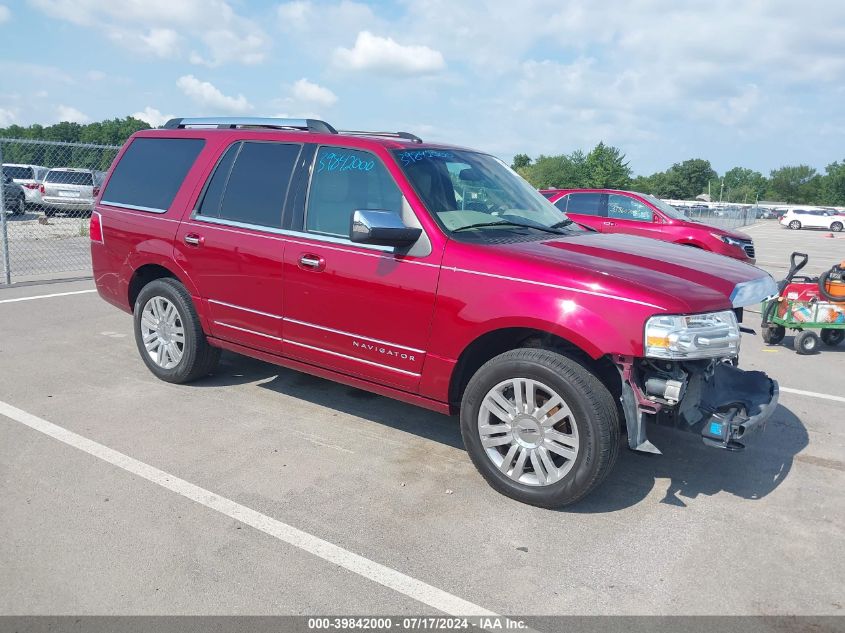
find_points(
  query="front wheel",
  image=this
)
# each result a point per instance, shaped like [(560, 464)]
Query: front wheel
[(795, 225), (807, 342), (169, 335), (539, 427)]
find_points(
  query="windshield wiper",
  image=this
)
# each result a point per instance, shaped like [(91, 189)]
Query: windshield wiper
[(562, 223), (507, 223)]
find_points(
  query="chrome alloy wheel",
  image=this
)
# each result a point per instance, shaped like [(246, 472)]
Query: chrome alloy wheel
[(528, 431), (163, 332)]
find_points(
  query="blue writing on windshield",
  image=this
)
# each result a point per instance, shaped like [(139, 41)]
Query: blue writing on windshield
[(411, 157), (335, 161)]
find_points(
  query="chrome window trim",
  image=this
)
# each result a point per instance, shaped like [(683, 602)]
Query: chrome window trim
[(133, 207)]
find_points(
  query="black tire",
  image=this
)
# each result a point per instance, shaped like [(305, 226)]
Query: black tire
[(773, 334), (836, 227), (594, 414), (20, 207), (198, 357), (795, 225), (832, 337), (807, 342), (49, 213)]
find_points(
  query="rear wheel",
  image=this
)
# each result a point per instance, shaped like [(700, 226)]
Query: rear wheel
[(539, 427), (795, 225), (20, 207), (807, 342), (773, 334), (836, 227), (833, 337), (169, 335)]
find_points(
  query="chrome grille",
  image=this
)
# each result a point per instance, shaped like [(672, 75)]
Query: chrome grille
[(748, 247)]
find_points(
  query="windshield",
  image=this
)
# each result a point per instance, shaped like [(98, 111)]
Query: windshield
[(667, 208), (18, 173), (478, 194)]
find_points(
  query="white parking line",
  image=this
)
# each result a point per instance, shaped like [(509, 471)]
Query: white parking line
[(55, 294), (812, 394), (406, 585)]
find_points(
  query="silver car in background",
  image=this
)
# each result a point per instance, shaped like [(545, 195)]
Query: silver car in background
[(29, 177), (68, 190)]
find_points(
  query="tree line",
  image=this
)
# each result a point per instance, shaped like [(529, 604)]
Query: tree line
[(110, 132), (605, 167)]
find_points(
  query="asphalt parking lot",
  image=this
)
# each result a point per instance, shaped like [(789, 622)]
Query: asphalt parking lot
[(261, 490)]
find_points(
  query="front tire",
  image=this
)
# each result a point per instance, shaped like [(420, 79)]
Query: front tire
[(539, 427), (169, 335), (807, 342), (795, 225)]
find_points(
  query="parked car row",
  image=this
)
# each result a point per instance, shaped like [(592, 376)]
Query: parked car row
[(65, 190)]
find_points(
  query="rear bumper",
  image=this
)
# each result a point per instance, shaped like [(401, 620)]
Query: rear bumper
[(70, 204)]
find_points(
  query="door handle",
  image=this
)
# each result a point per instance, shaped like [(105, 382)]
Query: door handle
[(609, 223), (312, 262), (192, 239)]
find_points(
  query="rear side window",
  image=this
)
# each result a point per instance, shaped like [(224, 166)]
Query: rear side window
[(344, 180), (250, 183), (150, 172), (583, 203), (70, 178)]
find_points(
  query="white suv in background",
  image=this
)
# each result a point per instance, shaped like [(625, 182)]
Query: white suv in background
[(29, 177), (806, 219), (68, 190)]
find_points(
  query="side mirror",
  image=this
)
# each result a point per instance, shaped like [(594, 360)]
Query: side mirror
[(383, 228)]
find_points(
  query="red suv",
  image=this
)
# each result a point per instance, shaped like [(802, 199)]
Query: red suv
[(613, 211), (431, 274)]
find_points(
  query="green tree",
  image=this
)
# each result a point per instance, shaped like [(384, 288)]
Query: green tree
[(686, 180), (605, 166), (553, 172), (520, 161), (743, 185), (833, 185), (794, 183)]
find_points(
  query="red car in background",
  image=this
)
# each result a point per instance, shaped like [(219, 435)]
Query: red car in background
[(614, 211)]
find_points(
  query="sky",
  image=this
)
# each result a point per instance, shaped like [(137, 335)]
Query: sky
[(752, 83)]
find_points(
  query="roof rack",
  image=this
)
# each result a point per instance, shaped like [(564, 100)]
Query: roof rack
[(404, 135), (310, 125)]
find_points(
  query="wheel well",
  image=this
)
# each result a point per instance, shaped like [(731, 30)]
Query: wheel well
[(492, 344), (144, 275)]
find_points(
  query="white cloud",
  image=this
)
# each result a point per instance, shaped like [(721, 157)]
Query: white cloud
[(7, 117), (95, 75), (68, 113), (5, 14), (384, 54), (295, 14), (153, 116), (161, 27), (304, 90), (206, 94)]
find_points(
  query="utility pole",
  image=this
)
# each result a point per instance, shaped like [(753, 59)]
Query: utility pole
[(721, 189)]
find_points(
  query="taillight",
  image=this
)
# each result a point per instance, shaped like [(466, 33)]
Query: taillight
[(41, 188), (96, 192), (31, 185), (95, 228)]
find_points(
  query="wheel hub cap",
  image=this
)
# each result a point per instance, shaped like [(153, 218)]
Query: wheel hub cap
[(528, 432), (163, 332)]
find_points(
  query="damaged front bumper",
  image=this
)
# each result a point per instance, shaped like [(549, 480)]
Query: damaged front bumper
[(711, 397)]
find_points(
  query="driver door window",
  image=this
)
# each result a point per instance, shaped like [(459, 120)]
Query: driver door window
[(345, 180), (625, 208)]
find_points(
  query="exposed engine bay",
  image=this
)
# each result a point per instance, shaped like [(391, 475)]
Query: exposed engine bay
[(711, 397)]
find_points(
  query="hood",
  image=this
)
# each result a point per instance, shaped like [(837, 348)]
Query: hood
[(737, 235), (679, 279)]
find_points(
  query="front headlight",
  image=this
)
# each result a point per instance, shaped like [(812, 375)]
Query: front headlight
[(711, 335), (730, 241)]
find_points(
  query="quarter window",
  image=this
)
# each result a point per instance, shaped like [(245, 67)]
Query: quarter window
[(625, 208), (250, 183), (150, 172), (342, 181)]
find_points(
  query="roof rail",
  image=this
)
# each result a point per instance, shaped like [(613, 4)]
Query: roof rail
[(405, 135), (311, 125)]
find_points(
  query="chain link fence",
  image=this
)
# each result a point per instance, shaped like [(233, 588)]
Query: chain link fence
[(47, 196)]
